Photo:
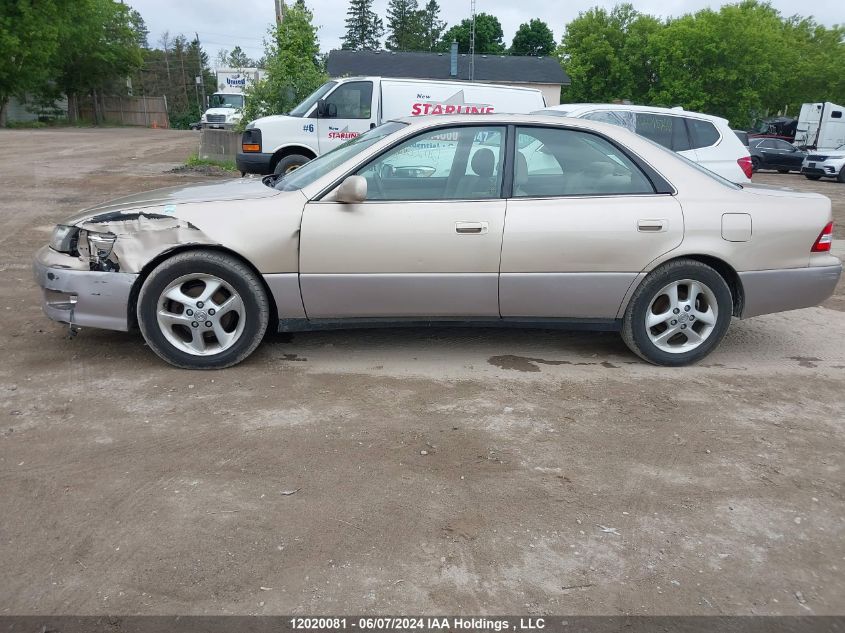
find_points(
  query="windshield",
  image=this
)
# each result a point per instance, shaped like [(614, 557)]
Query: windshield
[(303, 108), (322, 165), (226, 101), (551, 112)]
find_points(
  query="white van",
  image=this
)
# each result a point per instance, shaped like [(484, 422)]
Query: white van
[(703, 138), (344, 108)]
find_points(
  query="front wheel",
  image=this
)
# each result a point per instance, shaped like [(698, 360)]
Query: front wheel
[(679, 314), (289, 164), (203, 310), (841, 176)]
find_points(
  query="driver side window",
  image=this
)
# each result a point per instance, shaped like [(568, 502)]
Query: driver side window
[(460, 163)]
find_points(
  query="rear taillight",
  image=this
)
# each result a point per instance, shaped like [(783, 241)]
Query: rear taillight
[(745, 165), (822, 243)]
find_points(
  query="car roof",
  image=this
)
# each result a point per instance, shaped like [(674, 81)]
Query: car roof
[(503, 119), (584, 107)]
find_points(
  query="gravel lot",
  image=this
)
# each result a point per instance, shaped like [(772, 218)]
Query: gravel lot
[(449, 471)]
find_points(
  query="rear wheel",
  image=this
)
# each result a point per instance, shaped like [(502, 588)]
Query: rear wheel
[(289, 163), (679, 314), (203, 310), (755, 163), (783, 171)]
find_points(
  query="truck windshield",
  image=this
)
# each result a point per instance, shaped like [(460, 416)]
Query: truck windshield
[(226, 101), (322, 165), (303, 108)]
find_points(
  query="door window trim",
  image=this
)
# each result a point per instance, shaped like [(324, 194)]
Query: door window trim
[(358, 166), (659, 184)]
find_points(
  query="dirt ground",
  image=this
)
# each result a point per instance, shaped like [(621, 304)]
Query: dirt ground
[(388, 471)]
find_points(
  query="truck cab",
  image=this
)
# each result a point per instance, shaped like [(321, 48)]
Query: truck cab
[(341, 109), (225, 110)]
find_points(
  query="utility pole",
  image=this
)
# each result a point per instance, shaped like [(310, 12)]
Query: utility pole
[(199, 66), (280, 11), (472, 43)]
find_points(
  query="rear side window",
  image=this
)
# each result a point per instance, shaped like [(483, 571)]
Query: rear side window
[(552, 162), (836, 114), (668, 131), (702, 133)]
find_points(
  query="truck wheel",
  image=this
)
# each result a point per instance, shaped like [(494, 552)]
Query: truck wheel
[(289, 163), (679, 314), (811, 177), (203, 310)]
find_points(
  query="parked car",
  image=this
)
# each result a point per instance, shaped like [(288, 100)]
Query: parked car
[(705, 139), (342, 109), (773, 153), (782, 127), (825, 164), (405, 224), (742, 136)]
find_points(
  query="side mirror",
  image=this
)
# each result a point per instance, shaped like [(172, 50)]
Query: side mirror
[(352, 190), (326, 110)]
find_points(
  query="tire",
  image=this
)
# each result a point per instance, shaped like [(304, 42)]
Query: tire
[(230, 322), (841, 176), (813, 177), (783, 171), (678, 349), (289, 163), (755, 164)]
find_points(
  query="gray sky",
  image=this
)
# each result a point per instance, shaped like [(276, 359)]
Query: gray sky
[(226, 23)]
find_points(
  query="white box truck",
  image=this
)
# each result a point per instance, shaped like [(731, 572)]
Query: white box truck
[(225, 106), (820, 126), (342, 109)]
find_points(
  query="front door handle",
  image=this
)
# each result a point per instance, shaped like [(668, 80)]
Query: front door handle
[(652, 226), (471, 228)]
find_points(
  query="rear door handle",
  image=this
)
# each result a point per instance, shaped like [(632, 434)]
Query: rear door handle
[(652, 226), (471, 228)]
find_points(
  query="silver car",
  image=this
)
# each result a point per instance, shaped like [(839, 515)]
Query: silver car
[(497, 219)]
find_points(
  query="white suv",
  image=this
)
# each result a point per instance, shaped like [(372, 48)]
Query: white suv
[(828, 163), (703, 138)]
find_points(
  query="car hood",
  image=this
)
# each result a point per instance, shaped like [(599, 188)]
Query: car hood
[(240, 189), (830, 153)]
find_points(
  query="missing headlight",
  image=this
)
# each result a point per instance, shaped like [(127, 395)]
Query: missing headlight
[(100, 247)]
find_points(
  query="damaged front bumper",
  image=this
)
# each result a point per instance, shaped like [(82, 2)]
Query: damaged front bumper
[(81, 297)]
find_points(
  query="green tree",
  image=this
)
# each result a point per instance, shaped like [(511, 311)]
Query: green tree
[(533, 38), (605, 54), (364, 27), (97, 48), (238, 59), (734, 62), (488, 35), (139, 27), (29, 39), (293, 63), (403, 26), (431, 26)]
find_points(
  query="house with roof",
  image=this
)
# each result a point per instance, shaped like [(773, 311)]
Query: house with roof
[(543, 73)]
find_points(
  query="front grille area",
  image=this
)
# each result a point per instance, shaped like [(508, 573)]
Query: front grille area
[(216, 118), (817, 158)]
